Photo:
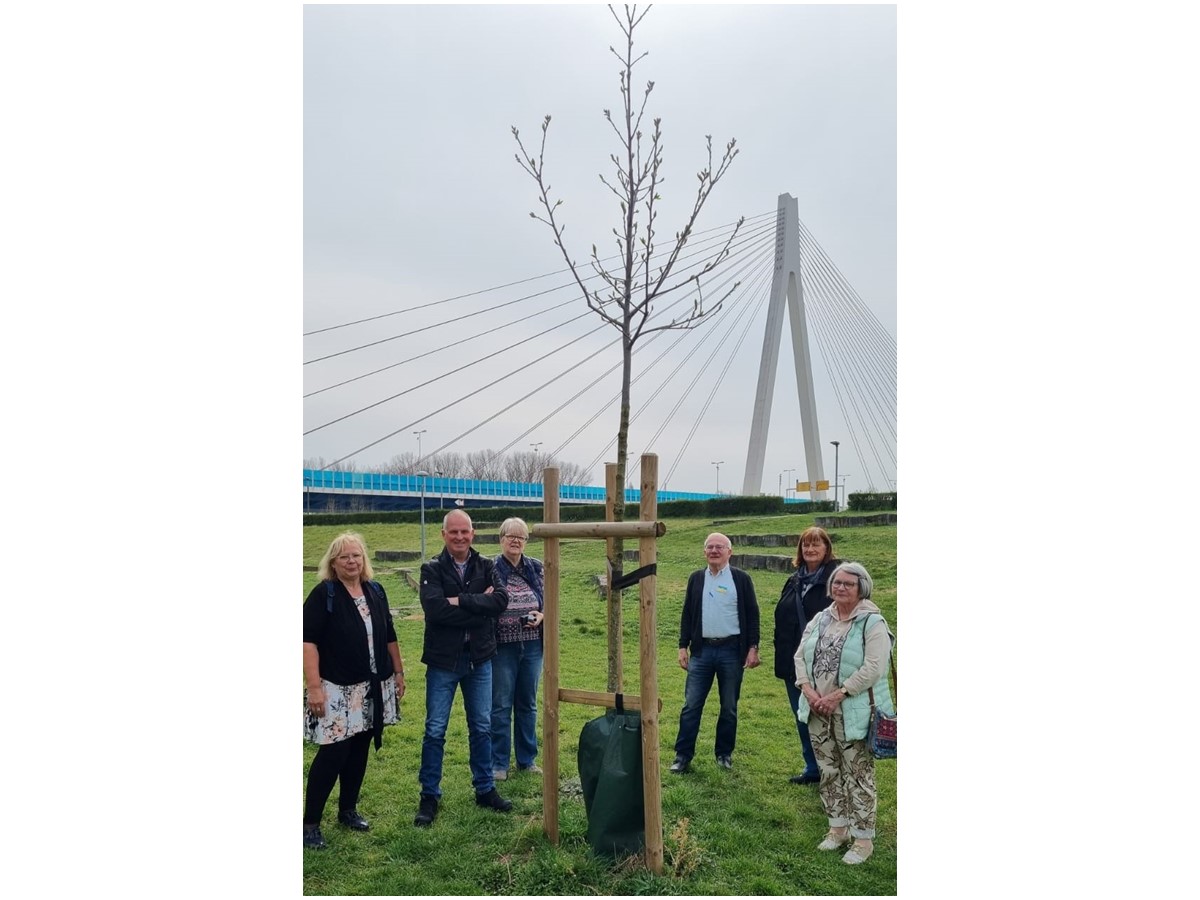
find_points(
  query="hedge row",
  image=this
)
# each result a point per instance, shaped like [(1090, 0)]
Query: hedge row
[(676, 509), (870, 502)]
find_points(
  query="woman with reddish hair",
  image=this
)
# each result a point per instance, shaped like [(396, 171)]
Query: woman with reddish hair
[(804, 595)]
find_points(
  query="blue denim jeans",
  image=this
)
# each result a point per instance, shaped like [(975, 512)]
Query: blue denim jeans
[(806, 747), (440, 684), (516, 669), (725, 662)]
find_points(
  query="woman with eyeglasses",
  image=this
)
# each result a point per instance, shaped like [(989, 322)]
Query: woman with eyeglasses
[(841, 661), (517, 665), (354, 679), (804, 595)]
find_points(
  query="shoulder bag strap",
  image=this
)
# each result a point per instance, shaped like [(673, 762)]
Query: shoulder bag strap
[(891, 667)]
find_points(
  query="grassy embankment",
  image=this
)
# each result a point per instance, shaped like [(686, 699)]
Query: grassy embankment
[(748, 831)]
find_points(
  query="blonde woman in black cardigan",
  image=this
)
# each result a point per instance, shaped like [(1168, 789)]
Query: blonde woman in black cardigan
[(354, 679)]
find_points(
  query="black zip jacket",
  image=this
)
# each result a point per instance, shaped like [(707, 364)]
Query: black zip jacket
[(448, 627)]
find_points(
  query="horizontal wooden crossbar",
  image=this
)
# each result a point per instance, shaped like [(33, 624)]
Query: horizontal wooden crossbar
[(602, 698), (599, 529)]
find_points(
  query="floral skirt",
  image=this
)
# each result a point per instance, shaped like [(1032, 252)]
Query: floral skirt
[(349, 711)]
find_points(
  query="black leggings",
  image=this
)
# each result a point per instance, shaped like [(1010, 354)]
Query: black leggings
[(346, 760)]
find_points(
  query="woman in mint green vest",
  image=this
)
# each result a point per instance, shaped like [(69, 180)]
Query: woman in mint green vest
[(843, 655)]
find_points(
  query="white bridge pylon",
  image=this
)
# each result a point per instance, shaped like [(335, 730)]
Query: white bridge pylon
[(785, 282)]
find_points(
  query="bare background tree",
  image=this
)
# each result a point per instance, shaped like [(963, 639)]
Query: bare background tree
[(487, 465), (643, 274)]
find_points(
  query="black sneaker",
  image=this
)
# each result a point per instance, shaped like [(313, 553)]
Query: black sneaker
[(679, 766), (806, 778), (493, 800), (313, 839), (352, 819), (426, 812)]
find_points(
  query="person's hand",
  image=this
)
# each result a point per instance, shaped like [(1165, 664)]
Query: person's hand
[(752, 660), (827, 703), (399, 685), (683, 658), (538, 619), (316, 701), (489, 589), (453, 601)]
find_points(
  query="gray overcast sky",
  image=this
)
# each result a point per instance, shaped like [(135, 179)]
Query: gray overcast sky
[(412, 194)]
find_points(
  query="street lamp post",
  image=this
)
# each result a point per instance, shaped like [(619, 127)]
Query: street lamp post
[(835, 474), (418, 434), (844, 477), (718, 465), (535, 446), (423, 475), (789, 472), (441, 488)]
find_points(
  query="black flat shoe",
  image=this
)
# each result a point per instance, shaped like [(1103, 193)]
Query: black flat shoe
[(679, 766), (493, 800), (313, 839), (806, 778), (426, 812), (351, 819)]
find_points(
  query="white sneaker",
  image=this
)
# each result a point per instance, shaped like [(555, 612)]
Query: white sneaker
[(834, 841), (859, 853), (500, 775)]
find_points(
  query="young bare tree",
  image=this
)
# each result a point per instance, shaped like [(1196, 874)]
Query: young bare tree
[(643, 273)]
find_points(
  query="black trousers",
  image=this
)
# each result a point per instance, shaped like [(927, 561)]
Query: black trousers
[(346, 760)]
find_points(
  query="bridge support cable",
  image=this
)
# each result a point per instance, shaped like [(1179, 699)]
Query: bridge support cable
[(697, 251), (763, 295), (486, 333), (713, 328), (851, 340), (859, 360), (397, 312), (709, 329), (681, 299), (851, 305)]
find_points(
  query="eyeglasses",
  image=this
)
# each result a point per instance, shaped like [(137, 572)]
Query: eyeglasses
[(715, 547), (845, 585), (346, 557), (516, 537)]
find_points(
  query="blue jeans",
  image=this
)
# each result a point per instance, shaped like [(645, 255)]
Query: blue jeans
[(440, 684), (725, 662), (806, 747), (516, 669)]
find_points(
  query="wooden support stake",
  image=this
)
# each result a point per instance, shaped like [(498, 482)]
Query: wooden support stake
[(651, 777), (550, 633), (615, 630)]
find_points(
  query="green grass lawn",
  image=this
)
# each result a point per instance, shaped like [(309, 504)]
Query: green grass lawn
[(748, 831)]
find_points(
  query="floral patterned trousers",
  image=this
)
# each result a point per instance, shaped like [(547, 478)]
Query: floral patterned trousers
[(847, 776)]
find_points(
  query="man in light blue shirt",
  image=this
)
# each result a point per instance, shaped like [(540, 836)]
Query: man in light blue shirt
[(720, 626)]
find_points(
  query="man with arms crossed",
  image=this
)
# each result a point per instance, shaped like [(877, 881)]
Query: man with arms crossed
[(462, 598)]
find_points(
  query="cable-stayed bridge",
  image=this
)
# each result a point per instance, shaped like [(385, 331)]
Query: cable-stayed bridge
[(527, 364)]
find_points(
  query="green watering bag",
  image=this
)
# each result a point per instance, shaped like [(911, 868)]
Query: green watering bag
[(610, 767)]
